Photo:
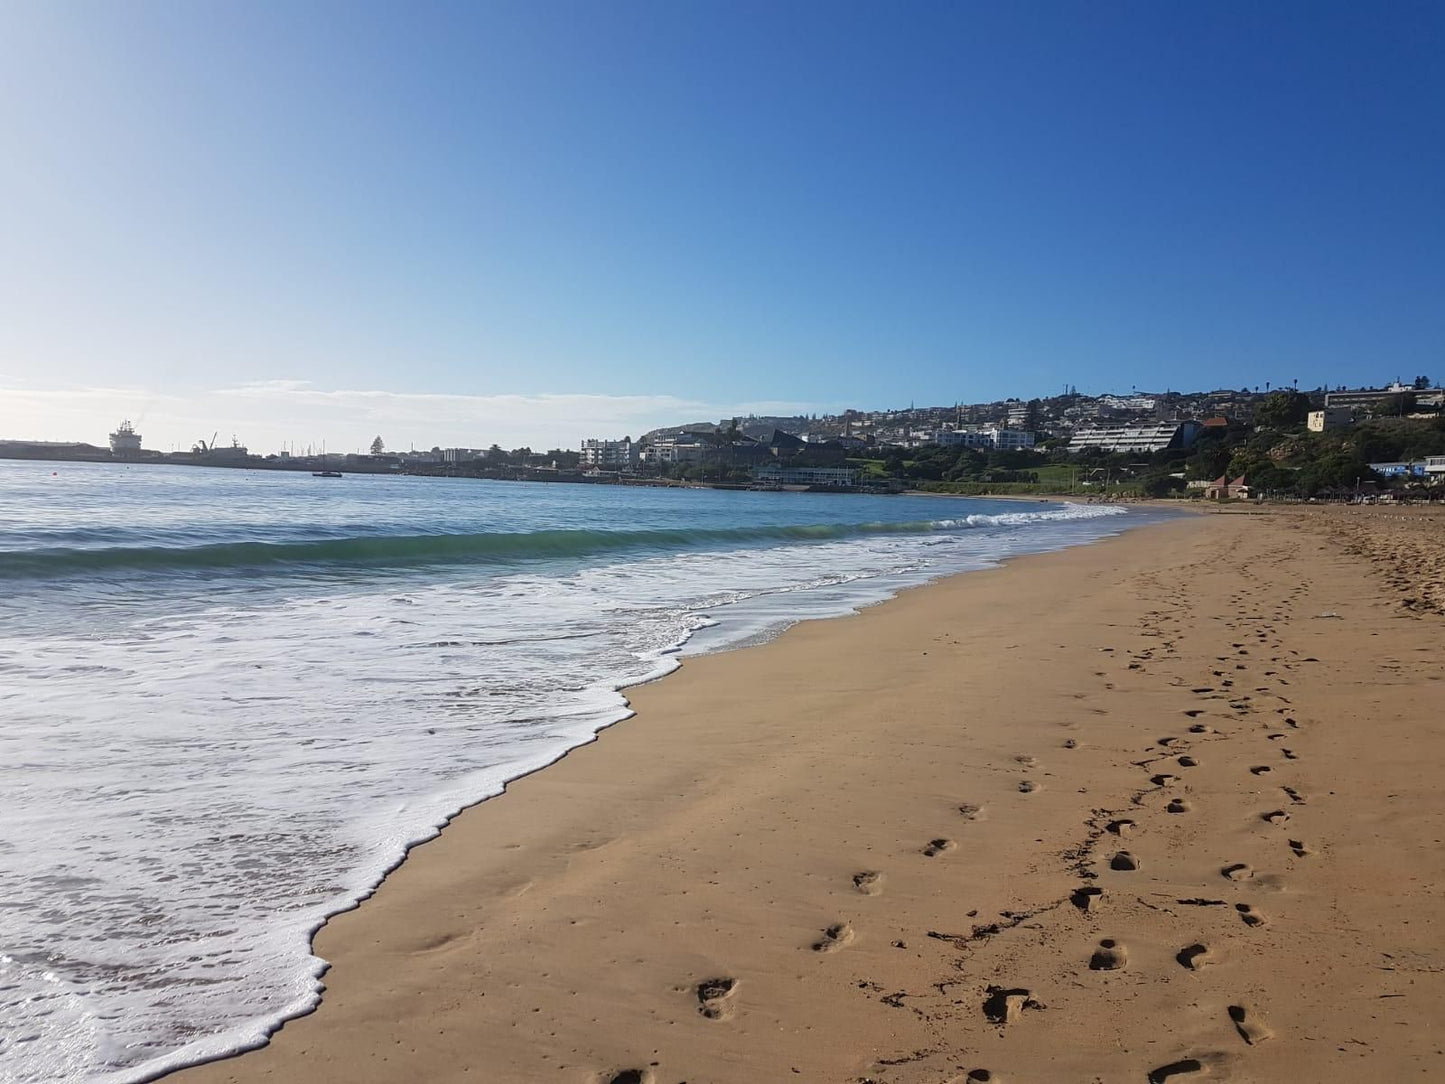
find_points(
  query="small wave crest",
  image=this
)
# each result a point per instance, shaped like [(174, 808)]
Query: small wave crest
[(401, 551)]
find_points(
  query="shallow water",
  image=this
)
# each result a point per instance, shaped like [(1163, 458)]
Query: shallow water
[(229, 700)]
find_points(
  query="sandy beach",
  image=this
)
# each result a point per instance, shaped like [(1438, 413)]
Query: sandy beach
[(1166, 807)]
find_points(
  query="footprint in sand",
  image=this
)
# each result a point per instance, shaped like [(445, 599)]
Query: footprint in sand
[(1026, 760), (1289, 754), (1194, 713), (869, 882), (1182, 1068), (1004, 1006), (1201, 728), (713, 997), (1294, 795), (1249, 914), (1069, 743), (1187, 762), (1260, 769), (1123, 861), (1299, 848), (938, 846), (970, 811), (1194, 956), (632, 1076), (1248, 1025), (1163, 779), (1237, 872), (1111, 955), (1122, 827), (1086, 897), (1274, 816), (1028, 786), (834, 938), (982, 1076), (1177, 805)]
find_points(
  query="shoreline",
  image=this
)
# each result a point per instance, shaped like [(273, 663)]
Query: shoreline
[(381, 949), (667, 664)]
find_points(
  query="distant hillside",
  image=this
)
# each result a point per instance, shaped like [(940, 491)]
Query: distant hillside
[(759, 428)]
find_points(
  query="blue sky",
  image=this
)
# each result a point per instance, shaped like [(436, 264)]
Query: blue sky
[(531, 222)]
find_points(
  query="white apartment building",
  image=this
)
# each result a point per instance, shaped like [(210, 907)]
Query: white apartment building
[(1129, 402), (683, 448), (610, 454), (992, 437), (1149, 437)]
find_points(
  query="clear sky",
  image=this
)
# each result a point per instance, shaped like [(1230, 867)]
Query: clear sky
[(531, 222)]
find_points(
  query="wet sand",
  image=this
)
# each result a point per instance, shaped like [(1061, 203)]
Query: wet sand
[(1167, 807)]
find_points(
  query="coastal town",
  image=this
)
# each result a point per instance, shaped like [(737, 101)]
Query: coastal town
[(1365, 442)]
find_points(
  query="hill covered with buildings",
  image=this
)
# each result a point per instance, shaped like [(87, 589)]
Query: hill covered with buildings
[(1326, 442)]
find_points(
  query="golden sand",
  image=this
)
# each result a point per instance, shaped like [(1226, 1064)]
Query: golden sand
[(1167, 807)]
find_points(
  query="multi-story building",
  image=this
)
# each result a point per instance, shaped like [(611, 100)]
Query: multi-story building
[(992, 437), (619, 455), (1011, 440), (683, 448), (1364, 398), (1138, 403), (807, 476), (1149, 437), (1335, 417)]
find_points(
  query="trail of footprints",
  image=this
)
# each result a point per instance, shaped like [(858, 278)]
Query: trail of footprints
[(1110, 953), (1003, 1006)]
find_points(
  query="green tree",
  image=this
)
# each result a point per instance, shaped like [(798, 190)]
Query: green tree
[(1209, 461), (1033, 416), (1395, 406), (1162, 485), (1283, 410), (377, 446)]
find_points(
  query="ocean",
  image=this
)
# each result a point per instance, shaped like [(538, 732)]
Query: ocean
[(230, 700)]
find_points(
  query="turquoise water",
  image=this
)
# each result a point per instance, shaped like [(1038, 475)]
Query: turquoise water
[(231, 699)]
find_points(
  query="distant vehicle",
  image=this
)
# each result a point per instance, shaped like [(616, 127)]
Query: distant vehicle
[(326, 474)]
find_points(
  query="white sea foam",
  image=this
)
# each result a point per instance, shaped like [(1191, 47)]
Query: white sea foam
[(189, 794)]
